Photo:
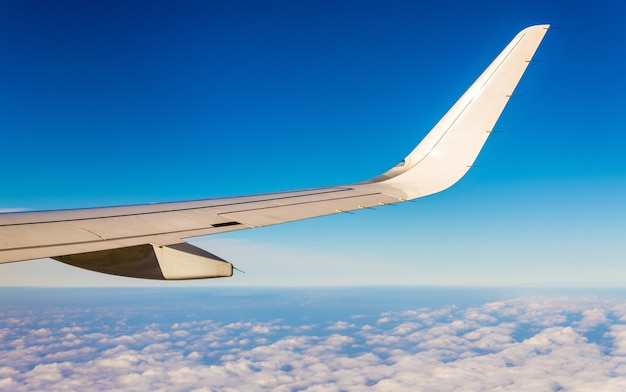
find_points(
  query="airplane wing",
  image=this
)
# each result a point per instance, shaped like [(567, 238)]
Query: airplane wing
[(147, 241)]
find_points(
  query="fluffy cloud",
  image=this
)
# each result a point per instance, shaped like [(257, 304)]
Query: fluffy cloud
[(527, 343)]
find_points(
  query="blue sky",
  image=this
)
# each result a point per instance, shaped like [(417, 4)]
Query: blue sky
[(109, 103)]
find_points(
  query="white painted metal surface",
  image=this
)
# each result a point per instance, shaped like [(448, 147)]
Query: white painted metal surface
[(451, 147), (79, 237)]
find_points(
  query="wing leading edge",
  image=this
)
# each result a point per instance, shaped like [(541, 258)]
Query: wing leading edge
[(147, 241)]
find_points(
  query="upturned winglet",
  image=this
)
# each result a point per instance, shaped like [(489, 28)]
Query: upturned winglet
[(451, 147)]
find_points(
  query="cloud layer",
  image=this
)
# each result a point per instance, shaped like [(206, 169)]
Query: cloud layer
[(528, 343)]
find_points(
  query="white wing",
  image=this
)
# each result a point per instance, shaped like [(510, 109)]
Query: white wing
[(147, 241)]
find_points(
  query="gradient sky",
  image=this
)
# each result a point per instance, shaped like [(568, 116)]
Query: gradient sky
[(113, 103)]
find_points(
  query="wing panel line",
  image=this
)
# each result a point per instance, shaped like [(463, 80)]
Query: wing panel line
[(335, 190)]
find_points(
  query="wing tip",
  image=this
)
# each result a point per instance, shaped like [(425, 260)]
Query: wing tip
[(450, 148), (539, 28)]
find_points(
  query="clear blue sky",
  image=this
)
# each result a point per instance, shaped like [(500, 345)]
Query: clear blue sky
[(109, 103)]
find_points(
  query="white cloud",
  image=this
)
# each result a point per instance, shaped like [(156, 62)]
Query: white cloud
[(529, 343), (592, 318), (340, 325), (618, 333)]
